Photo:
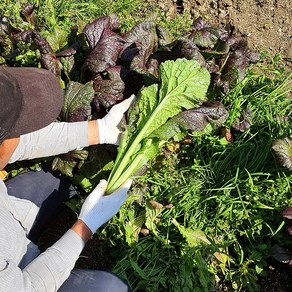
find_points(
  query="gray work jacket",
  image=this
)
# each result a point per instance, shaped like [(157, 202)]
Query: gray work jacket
[(22, 267)]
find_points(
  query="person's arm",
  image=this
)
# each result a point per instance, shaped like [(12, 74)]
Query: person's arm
[(47, 272), (58, 138), (82, 230), (7, 148), (51, 268)]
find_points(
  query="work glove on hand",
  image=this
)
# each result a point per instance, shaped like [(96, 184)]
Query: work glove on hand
[(97, 209), (108, 126)]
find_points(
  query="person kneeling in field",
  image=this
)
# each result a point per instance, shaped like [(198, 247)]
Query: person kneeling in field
[(31, 100)]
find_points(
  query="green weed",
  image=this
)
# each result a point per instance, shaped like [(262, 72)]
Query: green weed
[(225, 198)]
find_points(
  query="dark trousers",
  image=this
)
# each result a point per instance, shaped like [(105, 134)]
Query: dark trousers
[(48, 190)]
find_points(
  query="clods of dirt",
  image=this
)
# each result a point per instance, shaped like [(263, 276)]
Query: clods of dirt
[(278, 279), (265, 23)]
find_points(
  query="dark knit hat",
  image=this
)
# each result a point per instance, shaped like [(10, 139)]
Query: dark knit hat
[(30, 99)]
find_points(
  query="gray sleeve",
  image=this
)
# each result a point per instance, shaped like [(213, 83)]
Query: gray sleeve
[(51, 268), (45, 272), (56, 138), (48, 271)]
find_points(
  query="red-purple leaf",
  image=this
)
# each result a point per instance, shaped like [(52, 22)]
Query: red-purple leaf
[(163, 34), (77, 101), (48, 58), (144, 38), (41, 43), (206, 36), (27, 13), (6, 43), (200, 24), (24, 36), (287, 213), (196, 119), (185, 48), (105, 53), (51, 63), (244, 121), (110, 90), (282, 254), (68, 52), (94, 30)]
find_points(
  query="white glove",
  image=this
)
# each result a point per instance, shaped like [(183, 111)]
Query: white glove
[(108, 126), (98, 209)]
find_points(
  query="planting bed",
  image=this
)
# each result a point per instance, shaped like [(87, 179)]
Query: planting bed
[(228, 175), (266, 23)]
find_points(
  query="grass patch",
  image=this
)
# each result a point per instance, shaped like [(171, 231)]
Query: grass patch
[(226, 199)]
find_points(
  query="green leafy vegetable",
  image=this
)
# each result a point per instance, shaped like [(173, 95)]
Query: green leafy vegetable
[(183, 85), (194, 120), (76, 107), (65, 163), (77, 102)]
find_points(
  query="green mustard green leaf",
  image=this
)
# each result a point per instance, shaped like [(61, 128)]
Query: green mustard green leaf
[(183, 85)]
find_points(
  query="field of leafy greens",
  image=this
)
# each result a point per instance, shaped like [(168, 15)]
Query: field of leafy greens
[(208, 140)]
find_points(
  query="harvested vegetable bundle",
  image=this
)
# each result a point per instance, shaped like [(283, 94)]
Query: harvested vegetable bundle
[(183, 85)]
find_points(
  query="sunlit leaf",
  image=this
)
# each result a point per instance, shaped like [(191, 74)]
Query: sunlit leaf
[(193, 237), (283, 152)]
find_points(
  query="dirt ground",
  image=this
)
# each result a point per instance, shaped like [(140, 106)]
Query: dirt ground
[(265, 23)]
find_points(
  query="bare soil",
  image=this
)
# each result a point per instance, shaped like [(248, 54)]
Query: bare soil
[(265, 23)]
